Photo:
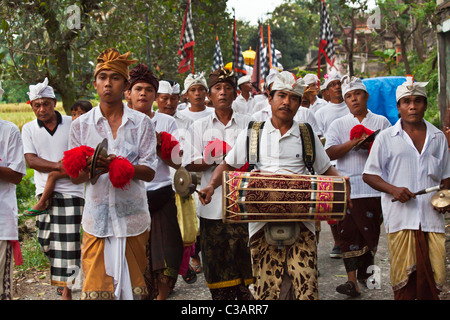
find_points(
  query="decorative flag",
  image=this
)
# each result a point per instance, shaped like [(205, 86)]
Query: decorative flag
[(262, 55), (272, 56), (187, 42), (256, 75), (326, 45), (218, 60), (238, 57)]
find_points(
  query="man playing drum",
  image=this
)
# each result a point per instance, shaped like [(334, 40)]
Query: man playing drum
[(289, 272)]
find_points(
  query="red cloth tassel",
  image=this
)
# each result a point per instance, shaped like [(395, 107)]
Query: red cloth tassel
[(168, 143), (358, 130), (17, 252), (220, 146), (121, 171), (74, 160)]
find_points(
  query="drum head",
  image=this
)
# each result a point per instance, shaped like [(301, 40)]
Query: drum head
[(185, 182), (102, 149), (441, 199)]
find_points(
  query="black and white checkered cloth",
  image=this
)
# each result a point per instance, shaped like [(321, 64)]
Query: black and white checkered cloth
[(326, 33), (262, 57), (218, 59), (272, 53), (60, 238), (238, 57), (187, 42)]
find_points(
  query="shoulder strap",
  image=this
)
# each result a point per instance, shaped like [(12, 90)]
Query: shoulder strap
[(253, 139), (308, 145)]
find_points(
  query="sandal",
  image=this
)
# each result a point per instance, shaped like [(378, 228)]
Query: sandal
[(190, 276), (59, 291), (197, 265), (348, 288), (33, 212)]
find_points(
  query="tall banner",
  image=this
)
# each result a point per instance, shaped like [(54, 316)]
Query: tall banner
[(187, 42), (326, 45)]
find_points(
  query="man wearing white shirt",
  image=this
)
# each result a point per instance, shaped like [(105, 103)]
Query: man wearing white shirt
[(12, 170), (224, 247), (360, 230), (196, 89), (45, 140), (312, 85), (116, 221), (244, 102), (408, 157), (290, 272)]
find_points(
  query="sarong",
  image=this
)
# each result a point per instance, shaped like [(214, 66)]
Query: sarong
[(6, 269), (359, 233), (97, 284), (165, 248), (271, 265), (420, 256), (225, 254), (60, 238)]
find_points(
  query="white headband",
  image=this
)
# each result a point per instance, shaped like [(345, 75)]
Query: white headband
[(310, 78), (271, 76), (411, 88), (244, 79), (286, 81), (351, 84), (195, 80), (331, 77), (165, 87), (41, 90)]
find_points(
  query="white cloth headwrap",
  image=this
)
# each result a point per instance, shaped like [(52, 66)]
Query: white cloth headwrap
[(271, 76), (195, 80), (165, 87), (351, 84), (41, 90), (244, 79), (331, 77), (411, 88), (310, 78), (286, 81), (1, 91)]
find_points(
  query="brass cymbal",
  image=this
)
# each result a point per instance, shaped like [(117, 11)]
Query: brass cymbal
[(441, 199), (101, 149)]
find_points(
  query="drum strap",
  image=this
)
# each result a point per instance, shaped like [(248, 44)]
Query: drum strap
[(253, 139)]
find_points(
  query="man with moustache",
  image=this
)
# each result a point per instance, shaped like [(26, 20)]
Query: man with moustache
[(116, 221), (410, 156), (289, 273), (359, 232), (45, 140), (224, 247)]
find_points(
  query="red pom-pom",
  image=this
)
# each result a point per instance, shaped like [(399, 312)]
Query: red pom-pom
[(121, 171), (168, 143), (216, 149), (74, 160), (358, 130)]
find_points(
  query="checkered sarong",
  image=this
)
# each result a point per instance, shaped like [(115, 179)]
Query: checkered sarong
[(59, 236)]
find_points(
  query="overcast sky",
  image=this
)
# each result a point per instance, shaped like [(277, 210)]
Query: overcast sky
[(252, 10)]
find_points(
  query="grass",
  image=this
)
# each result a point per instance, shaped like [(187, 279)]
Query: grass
[(21, 113)]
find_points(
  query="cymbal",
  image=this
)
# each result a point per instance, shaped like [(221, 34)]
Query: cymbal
[(185, 182), (441, 199), (369, 138), (101, 149)]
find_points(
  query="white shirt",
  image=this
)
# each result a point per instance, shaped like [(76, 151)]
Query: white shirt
[(278, 154), (205, 130), (37, 140), (327, 114), (196, 115), (242, 106), (263, 114), (11, 156), (352, 163), (395, 159), (110, 211), (162, 122), (318, 104), (305, 115)]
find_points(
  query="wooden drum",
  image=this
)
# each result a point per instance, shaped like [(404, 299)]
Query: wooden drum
[(269, 197)]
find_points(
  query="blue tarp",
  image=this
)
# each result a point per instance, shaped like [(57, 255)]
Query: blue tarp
[(382, 96)]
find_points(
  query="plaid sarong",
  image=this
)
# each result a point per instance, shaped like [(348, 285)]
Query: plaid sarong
[(60, 238)]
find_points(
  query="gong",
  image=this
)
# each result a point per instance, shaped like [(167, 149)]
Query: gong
[(441, 199), (185, 182)]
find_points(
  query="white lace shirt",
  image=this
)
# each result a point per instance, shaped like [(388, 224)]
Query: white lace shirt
[(110, 211)]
